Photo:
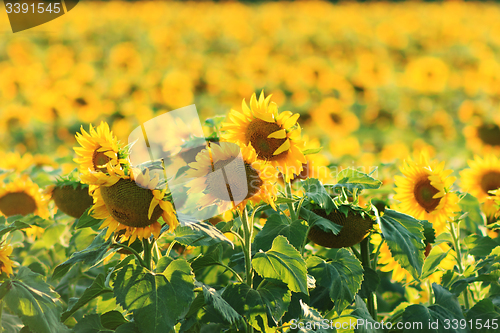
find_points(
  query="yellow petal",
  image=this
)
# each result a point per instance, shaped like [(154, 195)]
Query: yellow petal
[(279, 134), (284, 147)]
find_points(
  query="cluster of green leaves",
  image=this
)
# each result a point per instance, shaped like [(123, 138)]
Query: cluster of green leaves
[(156, 287)]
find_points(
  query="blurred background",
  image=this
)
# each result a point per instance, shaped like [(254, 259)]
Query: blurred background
[(373, 82)]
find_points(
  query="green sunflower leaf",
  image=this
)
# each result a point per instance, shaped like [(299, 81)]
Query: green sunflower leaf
[(361, 312), (484, 311), (92, 255), (264, 307), (278, 225), (157, 300), (315, 220), (97, 288), (282, 262), (317, 193), (91, 324), (16, 225), (405, 238), (312, 151), (86, 220), (213, 298), (31, 299), (342, 275), (351, 179)]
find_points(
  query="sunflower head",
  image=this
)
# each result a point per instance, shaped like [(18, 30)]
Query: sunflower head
[(424, 192), (5, 262), (274, 136), (133, 204), (99, 148), (356, 225), (229, 176), (23, 197)]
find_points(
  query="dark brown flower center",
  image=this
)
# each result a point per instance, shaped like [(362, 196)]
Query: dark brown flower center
[(490, 181), (257, 134), (99, 159), (424, 194), (17, 203), (336, 118), (239, 181), (129, 204), (489, 134)]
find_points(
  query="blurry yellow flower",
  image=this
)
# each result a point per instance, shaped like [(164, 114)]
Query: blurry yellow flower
[(427, 74), (23, 197), (334, 118)]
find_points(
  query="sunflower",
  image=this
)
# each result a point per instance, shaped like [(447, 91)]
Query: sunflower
[(483, 136), (23, 197), (274, 136), (5, 262), (134, 205), (99, 148), (255, 183), (482, 176), (427, 75), (72, 198), (334, 118), (424, 193)]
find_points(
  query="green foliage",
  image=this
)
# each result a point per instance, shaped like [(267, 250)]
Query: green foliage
[(32, 300), (316, 192), (263, 307), (342, 276), (86, 220), (405, 238), (352, 180), (279, 225), (284, 263), (157, 300)]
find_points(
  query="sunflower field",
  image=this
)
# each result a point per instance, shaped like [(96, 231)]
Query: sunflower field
[(339, 172)]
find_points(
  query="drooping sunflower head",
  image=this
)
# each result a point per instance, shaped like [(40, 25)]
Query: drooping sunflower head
[(99, 149), (274, 136), (356, 225), (5, 262), (229, 176), (134, 205), (22, 196), (424, 192), (482, 177)]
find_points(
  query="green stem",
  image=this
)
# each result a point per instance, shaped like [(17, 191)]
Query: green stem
[(232, 271), (134, 252), (247, 249), (170, 247), (304, 242), (455, 235), (1, 311), (147, 252), (365, 260), (291, 208)]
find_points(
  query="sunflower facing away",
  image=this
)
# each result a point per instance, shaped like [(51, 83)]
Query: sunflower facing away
[(256, 182), (99, 147), (274, 136), (133, 206), (482, 176), (483, 136), (5, 262), (23, 197), (424, 193)]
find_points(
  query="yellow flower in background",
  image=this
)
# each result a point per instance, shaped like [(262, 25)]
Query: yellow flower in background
[(424, 192), (5, 262), (427, 74), (483, 136), (256, 182), (99, 147), (334, 118), (276, 137), (22, 196), (134, 205), (34, 232), (482, 176)]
